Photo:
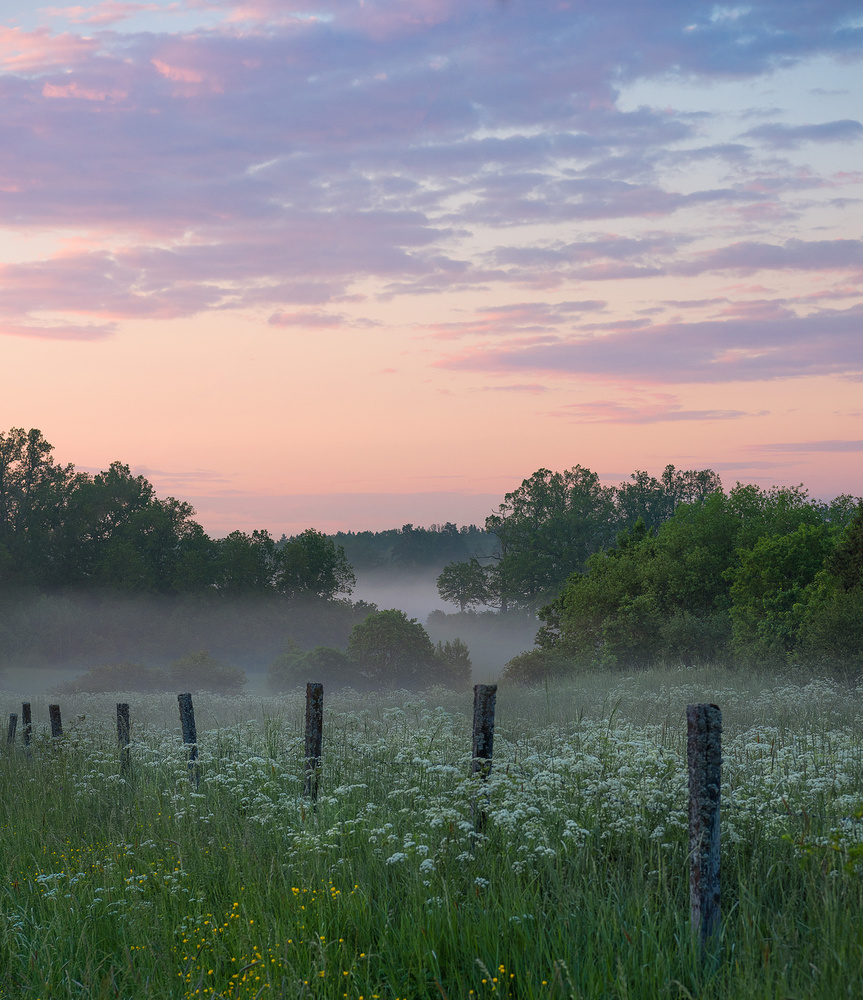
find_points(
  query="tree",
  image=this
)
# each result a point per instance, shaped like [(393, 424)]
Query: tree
[(831, 630), (33, 497), (547, 528), (464, 584), (654, 500), (769, 589), (311, 563), (667, 595), (845, 564), (246, 565), (392, 650)]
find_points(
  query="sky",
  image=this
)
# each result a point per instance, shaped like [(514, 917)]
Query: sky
[(348, 264)]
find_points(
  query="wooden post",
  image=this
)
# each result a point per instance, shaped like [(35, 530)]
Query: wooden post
[(56, 722), (484, 698), (314, 737), (190, 735), (704, 751), (123, 735), (26, 723), (13, 725)]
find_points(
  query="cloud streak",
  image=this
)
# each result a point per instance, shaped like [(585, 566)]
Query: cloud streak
[(824, 343)]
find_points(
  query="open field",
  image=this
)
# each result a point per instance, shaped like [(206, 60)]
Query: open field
[(578, 886)]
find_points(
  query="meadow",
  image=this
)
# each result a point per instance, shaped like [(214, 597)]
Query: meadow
[(146, 885)]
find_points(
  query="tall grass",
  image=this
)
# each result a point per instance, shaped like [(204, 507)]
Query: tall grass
[(577, 887)]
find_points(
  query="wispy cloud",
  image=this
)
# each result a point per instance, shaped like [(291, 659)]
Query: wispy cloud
[(661, 410), (781, 136), (824, 343), (804, 446)]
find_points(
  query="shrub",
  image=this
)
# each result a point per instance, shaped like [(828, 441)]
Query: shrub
[(392, 650), (323, 664), (536, 666), (453, 665), (202, 672), (134, 677)]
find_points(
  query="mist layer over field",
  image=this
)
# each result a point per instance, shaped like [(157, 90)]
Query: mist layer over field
[(50, 639)]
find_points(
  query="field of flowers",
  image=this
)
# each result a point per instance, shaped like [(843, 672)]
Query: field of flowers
[(148, 885)]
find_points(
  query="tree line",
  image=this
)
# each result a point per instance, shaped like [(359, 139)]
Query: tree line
[(63, 530), (553, 523), (671, 569), (749, 577), (98, 569)]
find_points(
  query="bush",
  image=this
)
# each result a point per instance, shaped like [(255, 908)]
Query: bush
[(323, 664), (831, 635), (202, 672), (392, 650), (536, 666), (453, 665), (134, 677)]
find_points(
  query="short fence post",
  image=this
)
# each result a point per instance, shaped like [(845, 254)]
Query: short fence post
[(13, 725), (56, 722), (484, 698), (704, 752), (123, 735), (190, 735), (26, 723), (314, 737)]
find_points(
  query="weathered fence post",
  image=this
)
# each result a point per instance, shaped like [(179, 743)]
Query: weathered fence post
[(13, 725), (56, 722), (123, 735), (314, 737), (190, 735), (484, 698), (704, 752), (27, 725)]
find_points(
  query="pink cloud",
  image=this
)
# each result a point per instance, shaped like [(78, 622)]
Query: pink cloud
[(804, 446), (308, 319), (660, 409), (108, 12), (39, 50), (178, 74), (59, 331), (77, 92)]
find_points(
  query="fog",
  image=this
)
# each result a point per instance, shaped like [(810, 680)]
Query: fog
[(46, 640), (414, 593), (492, 640)]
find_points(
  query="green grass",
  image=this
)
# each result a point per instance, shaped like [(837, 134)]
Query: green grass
[(577, 887)]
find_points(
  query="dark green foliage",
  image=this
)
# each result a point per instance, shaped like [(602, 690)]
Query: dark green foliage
[(831, 619), (550, 526), (392, 650), (845, 563), (464, 583), (831, 632), (726, 577), (536, 666), (200, 671), (547, 528), (768, 587), (311, 563)]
